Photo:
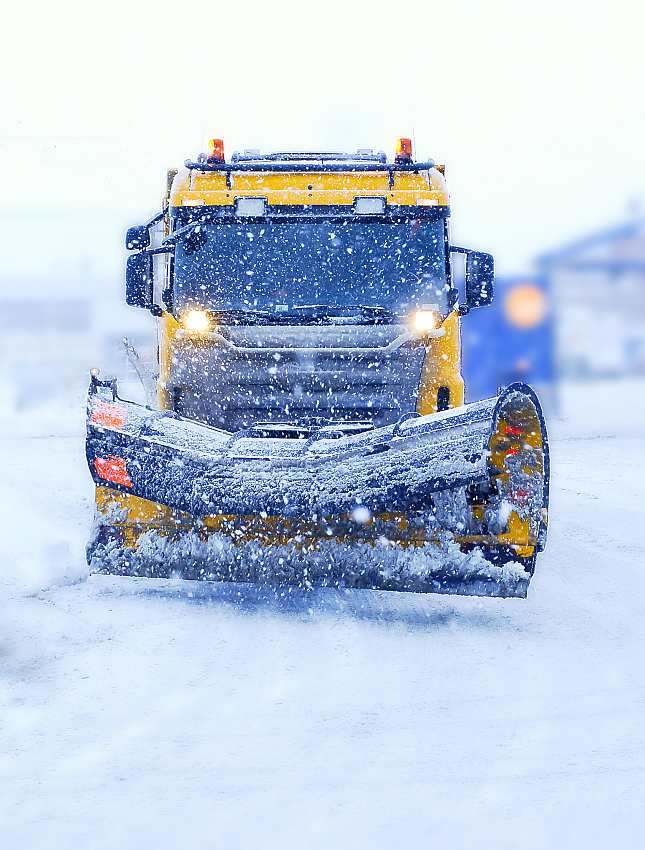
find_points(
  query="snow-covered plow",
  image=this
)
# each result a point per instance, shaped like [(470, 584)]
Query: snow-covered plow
[(451, 502), (306, 422)]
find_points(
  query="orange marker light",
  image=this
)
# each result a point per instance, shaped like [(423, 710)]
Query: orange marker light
[(403, 150), (112, 469), (216, 150), (108, 414)]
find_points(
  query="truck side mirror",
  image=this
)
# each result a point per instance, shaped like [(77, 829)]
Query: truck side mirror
[(138, 280), (480, 277), (137, 237)]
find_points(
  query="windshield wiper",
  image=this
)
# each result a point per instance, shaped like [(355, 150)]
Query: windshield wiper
[(329, 311), (310, 314), (368, 310), (243, 317), (178, 234)]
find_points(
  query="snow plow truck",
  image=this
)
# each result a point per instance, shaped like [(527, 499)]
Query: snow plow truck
[(307, 423)]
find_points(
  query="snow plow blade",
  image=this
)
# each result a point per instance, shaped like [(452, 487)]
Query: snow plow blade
[(452, 502)]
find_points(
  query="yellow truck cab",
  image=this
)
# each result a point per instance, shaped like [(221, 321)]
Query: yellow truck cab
[(305, 287)]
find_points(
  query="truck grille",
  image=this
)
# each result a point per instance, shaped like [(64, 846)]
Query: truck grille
[(330, 381)]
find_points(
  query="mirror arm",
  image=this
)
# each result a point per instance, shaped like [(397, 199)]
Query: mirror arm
[(462, 309), (138, 237), (155, 219), (155, 309)]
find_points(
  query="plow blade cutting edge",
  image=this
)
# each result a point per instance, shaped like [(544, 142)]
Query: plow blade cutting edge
[(452, 502)]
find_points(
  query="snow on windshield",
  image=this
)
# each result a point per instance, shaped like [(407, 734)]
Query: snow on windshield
[(276, 265)]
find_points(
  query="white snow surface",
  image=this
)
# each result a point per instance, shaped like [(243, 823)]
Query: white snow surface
[(139, 713)]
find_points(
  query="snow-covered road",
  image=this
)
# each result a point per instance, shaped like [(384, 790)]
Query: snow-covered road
[(138, 714)]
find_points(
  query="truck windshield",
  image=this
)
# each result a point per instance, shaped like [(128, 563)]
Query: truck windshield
[(281, 265)]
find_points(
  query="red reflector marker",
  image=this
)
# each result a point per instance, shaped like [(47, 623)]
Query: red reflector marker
[(112, 469), (110, 415), (510, 429), (519, 495)]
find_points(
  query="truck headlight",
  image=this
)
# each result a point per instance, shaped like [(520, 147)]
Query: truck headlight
[(426, 320), (196, 321)]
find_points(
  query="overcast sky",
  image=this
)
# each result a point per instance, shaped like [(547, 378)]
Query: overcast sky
[(536, 109)]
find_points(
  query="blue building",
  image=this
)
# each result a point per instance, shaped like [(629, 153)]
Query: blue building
[(597, 284)]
